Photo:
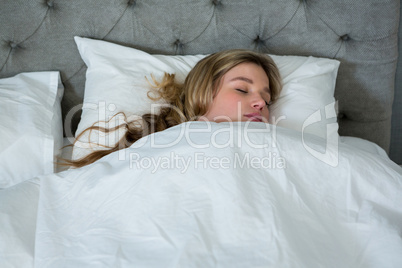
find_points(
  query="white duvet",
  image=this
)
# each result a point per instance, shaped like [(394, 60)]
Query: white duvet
[(224, 195)]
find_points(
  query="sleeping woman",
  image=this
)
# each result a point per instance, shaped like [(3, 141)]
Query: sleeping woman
[(228, 86)]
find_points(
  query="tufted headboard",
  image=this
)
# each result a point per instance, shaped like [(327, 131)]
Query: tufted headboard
[(37, 35)]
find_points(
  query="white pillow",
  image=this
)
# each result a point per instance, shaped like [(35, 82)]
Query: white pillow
[(307, 102), (115, 81), (30, 125)]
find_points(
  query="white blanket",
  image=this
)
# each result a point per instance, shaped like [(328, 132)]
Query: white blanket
[(233, 195)]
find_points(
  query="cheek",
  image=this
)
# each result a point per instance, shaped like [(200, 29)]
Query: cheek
[(228, 101), (233, 100), (265, 112)]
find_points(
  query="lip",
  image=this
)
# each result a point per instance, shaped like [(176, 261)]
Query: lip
[(255, 117)]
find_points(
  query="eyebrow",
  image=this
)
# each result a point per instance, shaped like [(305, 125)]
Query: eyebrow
[(242, 78), (248, 80)]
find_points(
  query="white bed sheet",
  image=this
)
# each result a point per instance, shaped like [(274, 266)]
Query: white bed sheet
[(19, 205), (124, 211), (18, 211)]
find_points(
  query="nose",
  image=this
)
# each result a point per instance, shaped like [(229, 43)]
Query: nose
[(258, 103)]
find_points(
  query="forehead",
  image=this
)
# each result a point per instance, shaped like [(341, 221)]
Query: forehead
[(249, 73), (248, 70)]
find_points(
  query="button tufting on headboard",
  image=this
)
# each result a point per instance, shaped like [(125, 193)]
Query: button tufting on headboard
[(216, 2), (131, 2), (179, 46), (259, 41), (345, 37), (13, 45), (50, 3)]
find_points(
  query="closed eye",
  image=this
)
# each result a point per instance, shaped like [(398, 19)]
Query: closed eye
[(241, 90)]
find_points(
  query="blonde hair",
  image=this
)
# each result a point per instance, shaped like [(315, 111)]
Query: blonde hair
[(187, 101)]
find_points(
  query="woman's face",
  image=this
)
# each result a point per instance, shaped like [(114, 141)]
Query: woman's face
[(243, 95)]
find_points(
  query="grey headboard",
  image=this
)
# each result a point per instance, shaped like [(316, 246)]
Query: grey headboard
[(37, 35)]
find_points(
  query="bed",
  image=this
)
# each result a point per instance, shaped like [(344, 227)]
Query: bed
[(320, 186)]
